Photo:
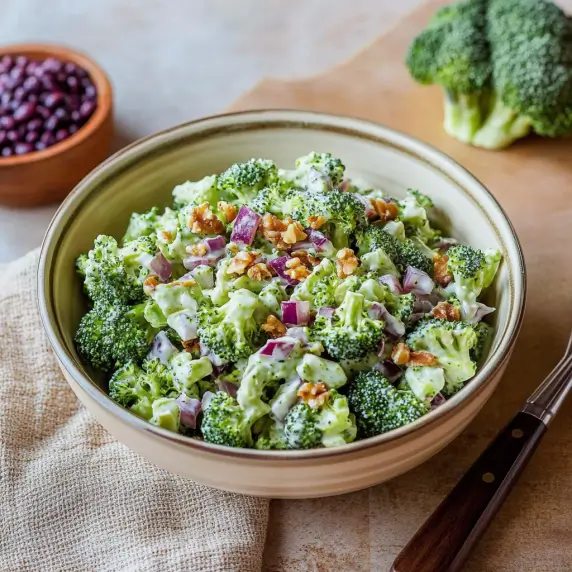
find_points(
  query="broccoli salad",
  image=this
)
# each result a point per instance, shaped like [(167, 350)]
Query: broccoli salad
[(284, 309)]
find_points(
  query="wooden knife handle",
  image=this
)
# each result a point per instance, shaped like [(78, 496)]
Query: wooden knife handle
[(444, 542)]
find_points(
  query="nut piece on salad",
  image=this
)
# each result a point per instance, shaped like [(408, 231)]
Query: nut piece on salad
[(294, 320)]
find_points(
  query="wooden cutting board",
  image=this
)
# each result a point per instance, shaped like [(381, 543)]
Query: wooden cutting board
[(533, 182)]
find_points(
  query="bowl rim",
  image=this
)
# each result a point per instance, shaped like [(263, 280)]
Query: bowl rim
[(285, 118), (104, 100)]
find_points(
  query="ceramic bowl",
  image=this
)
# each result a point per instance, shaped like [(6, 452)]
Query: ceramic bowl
[(48, 176), (144, 174)]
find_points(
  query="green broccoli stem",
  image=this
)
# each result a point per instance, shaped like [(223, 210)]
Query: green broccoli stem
[(351, 310), (502, 127), (463, 115)]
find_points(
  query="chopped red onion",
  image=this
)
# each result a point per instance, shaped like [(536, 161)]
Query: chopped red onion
[(370, 211), (227, 387), (391, 371), (392, 283), (344, 185), (245, 226), (381, 347), (162, 348), (279, 265), (434, 298), (278, 349), (393, 326), (326, 312), (191, 262), (415, 317), (417, 281), (205, 401), (443, 244), (189, 409), (320, 241), (439, 399), (161, 267), (296, 312), (482, 311), (215, 244), (422, 306)]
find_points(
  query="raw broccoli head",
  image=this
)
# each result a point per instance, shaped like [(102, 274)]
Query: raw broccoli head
[(224, 422), (408, 254), (451, 343), (113, 274), (319, 288), (231, 331), (401, 306), (242, 181), (138, 388), (379, 407), (328, 425), (109, 336), (373, 237), (141, 224), (350, 333), (277, 200), (197, 193), (344, 213), (331, 168)]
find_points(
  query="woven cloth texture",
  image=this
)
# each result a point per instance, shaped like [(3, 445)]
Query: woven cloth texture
[(72, 498)]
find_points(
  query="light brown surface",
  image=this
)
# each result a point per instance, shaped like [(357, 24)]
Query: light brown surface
[(74, 499), (533, 181), (47, 176)]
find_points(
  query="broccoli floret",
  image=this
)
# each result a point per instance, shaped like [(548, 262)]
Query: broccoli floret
[(137, 389), (401, 306), (272, 295), (242, 181), (231, 331), (226, 283), (483, 331), (473, 270), (505, 66), (379, 407), (330, 425), (350, 333), (174, 235), (188, 371), (271, 436), (277, 200), (413, 213), (116, 274), (379, 262), (344, 213), (320, 171), (197, 193), (317, 369), (451, 343), (109, 336), (374, 237), (225, 423), (141, 224), (425, 382), (425, 201), (319, 288), (409, 255)]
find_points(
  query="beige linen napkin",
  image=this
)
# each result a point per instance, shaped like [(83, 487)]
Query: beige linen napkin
[(72, 498)]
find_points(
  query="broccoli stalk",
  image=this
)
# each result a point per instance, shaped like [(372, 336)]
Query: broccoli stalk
[(319, 288)]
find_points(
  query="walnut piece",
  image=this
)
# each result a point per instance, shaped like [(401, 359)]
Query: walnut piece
[(400, 354), (203, 221), (188, 283), (347, 262), (229, 211), (314, 394), (296, 270), (259, 272), (316, 222), (272, 228), (274, 327), (441, 272), (294, 233), (192, 346), (199, 249), (241, 262), (417, 359), (306, 259), (446, 311), (150, 283), (385, 211)]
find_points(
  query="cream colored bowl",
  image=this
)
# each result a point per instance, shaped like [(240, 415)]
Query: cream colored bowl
[(144, 174)]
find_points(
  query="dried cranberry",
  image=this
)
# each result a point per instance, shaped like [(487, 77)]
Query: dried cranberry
[(24, 112), (23, 148), (7, 152)]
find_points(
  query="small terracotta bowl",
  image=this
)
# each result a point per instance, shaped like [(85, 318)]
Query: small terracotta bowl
[(48, 176)]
